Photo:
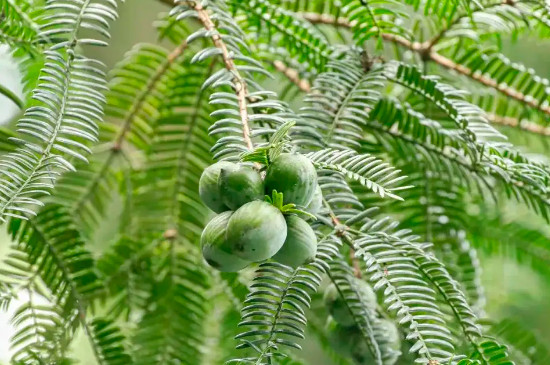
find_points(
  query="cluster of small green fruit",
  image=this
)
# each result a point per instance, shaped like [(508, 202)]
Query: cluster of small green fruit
[(344, 335), (250, 225)]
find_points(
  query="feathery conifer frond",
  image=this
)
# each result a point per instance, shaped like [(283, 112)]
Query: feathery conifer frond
[(127, 271), (462, 261), (466, 116), (136, 95), (373, 18), (19, 28), (370, 172), (364, 316), (445, 9), (512, 79), (176, 158), (42, 333), (522, 339), (68, 106), (302, 41), (391, 269), (55, 246), (511, 239), (275, 308), (87, 192), (338, 194), (202, 96), (339, 103), (238, 113), (491, 352), (177, 303), (107, 340)]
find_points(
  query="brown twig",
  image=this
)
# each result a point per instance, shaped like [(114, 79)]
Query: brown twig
[(518, 123), (317, 18), (239, 85), (456, 21), (342, 232), (424, 49), (511, 93), (292, 75)]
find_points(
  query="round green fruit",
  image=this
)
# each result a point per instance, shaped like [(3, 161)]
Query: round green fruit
[(294, 176), (337, 306), (361, 353), (300, 245), (340, 337), (316, 202), (256, 231), (392, 333), (215, 249), (209, 190), (239, 185)]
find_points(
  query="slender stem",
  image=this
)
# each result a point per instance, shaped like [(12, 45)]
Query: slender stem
[(136, 107), (292, 75), (424, 49), (427, 211), (341, 233), (239, 84), (12, 96), (456, 21), (518, 123)]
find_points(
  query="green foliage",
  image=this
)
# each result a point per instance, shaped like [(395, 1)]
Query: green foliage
[(282, 29), (110, 342), (99, 178), (68, 104)]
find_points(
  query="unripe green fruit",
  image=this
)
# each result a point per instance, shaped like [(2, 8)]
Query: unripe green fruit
[(256, 231), (340, 337), (209, 190), (362, 355), (392, 333), (300, 245), (239, 185), (316, 202), (215, 249), (337, 306), (294, 176)]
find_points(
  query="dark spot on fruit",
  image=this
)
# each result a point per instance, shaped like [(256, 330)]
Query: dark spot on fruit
[(213, 263)]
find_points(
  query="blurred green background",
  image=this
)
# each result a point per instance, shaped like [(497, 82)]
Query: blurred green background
[(510, 288)]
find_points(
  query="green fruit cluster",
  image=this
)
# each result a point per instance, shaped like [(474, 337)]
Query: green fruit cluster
[(248, 229), (342, 332)]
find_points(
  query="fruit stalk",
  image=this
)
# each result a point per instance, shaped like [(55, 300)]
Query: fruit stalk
[(342, 233)]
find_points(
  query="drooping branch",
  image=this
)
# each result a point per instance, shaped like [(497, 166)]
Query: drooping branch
[(139, 102), (239, 84), (128, 121), (425, 51)]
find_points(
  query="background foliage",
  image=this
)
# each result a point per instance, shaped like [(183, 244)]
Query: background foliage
[(131, 288)]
